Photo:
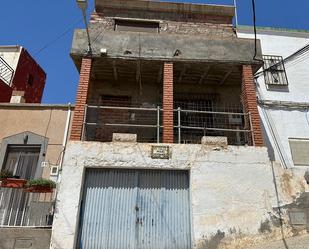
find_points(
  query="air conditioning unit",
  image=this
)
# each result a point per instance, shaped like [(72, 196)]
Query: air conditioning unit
[(54, 170), (235, 119)]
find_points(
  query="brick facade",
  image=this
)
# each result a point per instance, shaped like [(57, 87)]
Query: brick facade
[(168, 103), (250, 104), (81, 99)]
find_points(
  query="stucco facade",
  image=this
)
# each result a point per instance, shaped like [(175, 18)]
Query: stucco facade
[(45, 120), (27, 125), (235, 192)]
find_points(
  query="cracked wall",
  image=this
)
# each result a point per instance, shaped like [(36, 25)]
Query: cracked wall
[(233, 196)]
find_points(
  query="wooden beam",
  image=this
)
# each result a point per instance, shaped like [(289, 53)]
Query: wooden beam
[(226, 76), (115, 71), (204, 75), (183, 71)]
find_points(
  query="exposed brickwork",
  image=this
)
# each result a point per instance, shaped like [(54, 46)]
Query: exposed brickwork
[(81, 99), (168, 102), (250, 103), (172, 23), (105, 133)]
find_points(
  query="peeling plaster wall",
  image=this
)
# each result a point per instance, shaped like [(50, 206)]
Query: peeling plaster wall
[(233, 194)]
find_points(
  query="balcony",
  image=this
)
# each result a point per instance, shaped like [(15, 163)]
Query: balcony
[(6, 72), (23, 209), (192, 121)]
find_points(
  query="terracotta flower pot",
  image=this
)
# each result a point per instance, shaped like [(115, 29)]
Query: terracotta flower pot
[(13, 183), (39, 189)]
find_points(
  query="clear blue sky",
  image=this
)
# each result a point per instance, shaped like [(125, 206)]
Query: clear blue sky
[(37, 23)]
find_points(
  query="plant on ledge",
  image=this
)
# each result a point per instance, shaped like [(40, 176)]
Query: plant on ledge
[(4, 174), (7, 180), (40, 186)]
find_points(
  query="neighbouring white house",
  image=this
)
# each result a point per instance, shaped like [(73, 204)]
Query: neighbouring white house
[(283, 93)]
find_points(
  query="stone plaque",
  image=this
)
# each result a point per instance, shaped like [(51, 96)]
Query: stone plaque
[(160, 152), (23, 243), (297, 217)]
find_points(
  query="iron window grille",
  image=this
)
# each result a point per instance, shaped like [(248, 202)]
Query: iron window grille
[(274, 70)]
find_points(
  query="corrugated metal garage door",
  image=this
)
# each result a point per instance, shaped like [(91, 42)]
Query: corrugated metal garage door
[(135, 209)]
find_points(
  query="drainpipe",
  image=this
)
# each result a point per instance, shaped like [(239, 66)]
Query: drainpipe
[(273, 132), (65, 137)]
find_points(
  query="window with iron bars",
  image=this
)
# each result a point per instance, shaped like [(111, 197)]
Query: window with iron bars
[(274, 70)]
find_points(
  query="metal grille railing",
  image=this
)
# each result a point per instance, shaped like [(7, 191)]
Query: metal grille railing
[(20, 208), (6, 72), (103, 121), (189, 125)]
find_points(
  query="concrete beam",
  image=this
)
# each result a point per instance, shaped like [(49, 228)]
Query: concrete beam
[(183, 71), (161, 47), (160, 74), (115, 71), (226, 76), (204, 75), (207, 9)]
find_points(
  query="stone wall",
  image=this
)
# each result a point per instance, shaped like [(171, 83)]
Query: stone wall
[(238, 197), (171, 23)]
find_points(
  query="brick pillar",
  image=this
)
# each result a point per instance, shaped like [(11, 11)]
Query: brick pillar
[(168, 103), (250, 103), (81, 99)]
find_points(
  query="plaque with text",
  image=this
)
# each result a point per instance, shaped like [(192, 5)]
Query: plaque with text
[(160, 152)]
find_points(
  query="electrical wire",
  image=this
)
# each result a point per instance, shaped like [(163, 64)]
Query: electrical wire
[(294, 58), (72, 27), (255, 34)]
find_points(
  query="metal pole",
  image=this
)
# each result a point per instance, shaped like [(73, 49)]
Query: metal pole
[(236, 16), (251, 128), (179, 125), (158, 124), (89, 51), (84, 123)]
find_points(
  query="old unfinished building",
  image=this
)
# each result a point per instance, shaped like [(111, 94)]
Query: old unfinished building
[(166, 72), (166, 147)]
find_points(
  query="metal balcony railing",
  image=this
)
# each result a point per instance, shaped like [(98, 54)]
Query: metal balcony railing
[(24, 209), (189, 125), (6, 72)]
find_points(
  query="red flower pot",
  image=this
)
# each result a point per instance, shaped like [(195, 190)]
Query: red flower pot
[(39, 189), (12, 183)]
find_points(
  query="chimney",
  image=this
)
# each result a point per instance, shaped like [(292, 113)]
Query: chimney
[(18, 97)]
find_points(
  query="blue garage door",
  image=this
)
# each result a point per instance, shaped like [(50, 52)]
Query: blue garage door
[(135, 209)]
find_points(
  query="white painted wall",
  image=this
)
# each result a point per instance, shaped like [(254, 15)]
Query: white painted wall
[(11, 55), (232, 189), (287, 123)]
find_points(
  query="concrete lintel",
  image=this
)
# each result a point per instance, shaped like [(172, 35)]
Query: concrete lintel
[(129, 45), (208, 9)]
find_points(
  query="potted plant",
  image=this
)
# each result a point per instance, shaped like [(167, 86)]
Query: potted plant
[(8, 180), (40, 186)]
